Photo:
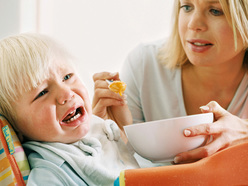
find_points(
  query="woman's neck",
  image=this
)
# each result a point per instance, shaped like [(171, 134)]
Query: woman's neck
[(219, 75), (203, 84)]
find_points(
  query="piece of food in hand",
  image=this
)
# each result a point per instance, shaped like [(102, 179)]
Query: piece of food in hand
[(117, 87)]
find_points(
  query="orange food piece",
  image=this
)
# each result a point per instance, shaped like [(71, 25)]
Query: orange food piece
[(117, 87)]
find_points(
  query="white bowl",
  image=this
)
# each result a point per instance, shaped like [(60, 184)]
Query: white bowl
[(162, 140)]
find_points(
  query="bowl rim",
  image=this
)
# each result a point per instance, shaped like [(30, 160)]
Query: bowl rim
[(169, 119)]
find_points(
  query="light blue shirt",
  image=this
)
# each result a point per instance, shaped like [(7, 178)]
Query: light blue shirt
[(154, 92), (96, 159)]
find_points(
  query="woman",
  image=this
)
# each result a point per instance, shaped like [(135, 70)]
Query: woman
[(203, 64)]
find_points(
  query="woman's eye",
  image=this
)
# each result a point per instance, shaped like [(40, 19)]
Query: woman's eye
[(216, 12), (186, 8), (42, 93), (68, 76)]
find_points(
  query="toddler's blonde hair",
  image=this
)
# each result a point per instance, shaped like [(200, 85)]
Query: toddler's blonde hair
[(25, 60)]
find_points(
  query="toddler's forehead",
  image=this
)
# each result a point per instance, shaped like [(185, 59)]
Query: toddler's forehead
[(54, 69), (60, 66)]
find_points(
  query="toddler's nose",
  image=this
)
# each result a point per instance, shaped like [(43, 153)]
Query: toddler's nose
[(64, 95)]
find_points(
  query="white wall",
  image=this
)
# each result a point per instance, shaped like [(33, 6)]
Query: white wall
[(98, 32), (102, 32), (9, 17)]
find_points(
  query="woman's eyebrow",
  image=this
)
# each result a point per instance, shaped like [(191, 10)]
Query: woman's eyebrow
[(207, 1), (213, 2)]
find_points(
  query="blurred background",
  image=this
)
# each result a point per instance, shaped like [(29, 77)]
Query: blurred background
[(100, 33)]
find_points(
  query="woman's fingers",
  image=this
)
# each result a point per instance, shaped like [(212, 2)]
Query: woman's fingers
[(225, 131), (199, 153), (102, 91), (209, 128), (214, 107), (100, 84), (108, 104), (103, 97), (215, 130), (106, 97), (100, 108), (105, 75), (204, 129)]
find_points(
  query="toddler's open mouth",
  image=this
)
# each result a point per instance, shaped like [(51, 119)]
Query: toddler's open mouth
[(74, 115)]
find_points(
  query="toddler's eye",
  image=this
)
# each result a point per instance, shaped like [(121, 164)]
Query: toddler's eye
[(68, 76), (216, 12), (42, 93)]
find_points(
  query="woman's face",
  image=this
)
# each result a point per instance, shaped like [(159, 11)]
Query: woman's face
[(205, 34)]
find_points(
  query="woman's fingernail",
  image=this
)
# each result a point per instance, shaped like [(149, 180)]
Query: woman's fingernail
[(177, 159), (205, 108), (187, 132)]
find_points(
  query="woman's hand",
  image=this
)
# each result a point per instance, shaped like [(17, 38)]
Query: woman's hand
[(226, 130), (108, 104)]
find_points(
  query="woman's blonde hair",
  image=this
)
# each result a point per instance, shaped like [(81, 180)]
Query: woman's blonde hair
[(25, 60), (172, 53)]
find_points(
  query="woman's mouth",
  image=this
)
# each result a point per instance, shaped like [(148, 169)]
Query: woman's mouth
[(199, 46)]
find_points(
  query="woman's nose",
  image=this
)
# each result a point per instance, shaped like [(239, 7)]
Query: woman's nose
[(197, 22), (64, 94)]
